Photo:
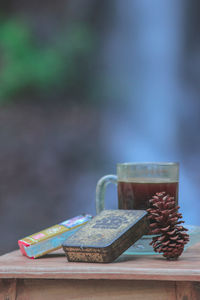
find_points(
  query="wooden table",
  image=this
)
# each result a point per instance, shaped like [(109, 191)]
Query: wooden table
[(130, 277)]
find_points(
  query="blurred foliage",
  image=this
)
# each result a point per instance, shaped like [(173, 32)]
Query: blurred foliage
[(28, 64)]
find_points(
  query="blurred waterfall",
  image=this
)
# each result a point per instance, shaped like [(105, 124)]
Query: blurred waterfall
[(142, 55)]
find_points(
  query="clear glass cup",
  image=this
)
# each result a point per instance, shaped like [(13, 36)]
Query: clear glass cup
[(138, 182)]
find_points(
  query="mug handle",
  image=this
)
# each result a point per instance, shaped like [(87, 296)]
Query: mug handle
[(100, 190)]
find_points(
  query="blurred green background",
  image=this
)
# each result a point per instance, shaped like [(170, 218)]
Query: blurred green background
[(42, 68)]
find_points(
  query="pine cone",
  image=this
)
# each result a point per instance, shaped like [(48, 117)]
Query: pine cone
[(164, 222)]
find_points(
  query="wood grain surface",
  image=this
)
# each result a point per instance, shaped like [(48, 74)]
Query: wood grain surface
[(127, 267)]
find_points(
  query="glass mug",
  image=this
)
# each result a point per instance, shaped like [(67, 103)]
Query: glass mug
[(138, 182)]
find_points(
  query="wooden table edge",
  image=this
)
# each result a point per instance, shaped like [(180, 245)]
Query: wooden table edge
[(98, 276)]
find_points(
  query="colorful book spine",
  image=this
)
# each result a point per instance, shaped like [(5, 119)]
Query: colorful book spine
[(51, 238)]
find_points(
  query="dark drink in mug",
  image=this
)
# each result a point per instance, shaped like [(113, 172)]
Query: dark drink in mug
[(136, 193), (138, 182)]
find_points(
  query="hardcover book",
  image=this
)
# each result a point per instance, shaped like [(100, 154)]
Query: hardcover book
[(106, 236)]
